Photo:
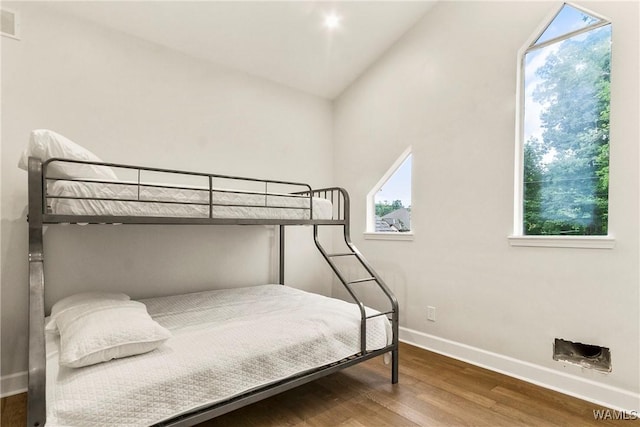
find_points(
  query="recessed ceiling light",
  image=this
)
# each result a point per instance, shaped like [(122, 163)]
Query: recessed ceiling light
[(332, 21)]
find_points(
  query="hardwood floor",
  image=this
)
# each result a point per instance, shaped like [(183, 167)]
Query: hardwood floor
[(434, 391), (13, 410)]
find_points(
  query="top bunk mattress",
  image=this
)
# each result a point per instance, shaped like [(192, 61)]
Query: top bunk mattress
[(224, 343), (117, 199)]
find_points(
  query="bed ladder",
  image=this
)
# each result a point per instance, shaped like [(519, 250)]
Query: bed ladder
[(373, 278)]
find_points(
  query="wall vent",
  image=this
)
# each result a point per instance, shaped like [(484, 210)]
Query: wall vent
[(9, 23), (584, 355)]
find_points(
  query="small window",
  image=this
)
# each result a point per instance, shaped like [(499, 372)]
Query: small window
[(564, 129), (389, 202)]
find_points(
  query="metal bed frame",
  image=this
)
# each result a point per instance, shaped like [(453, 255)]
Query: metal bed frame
[(39, 216)]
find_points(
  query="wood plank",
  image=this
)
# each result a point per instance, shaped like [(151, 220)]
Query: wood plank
[(13, 411)]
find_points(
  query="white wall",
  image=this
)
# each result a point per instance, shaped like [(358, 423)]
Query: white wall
[(448, 89), (133, 102)]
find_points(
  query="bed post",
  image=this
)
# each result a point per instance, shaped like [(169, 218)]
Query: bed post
[(281, 256), (37, 362)]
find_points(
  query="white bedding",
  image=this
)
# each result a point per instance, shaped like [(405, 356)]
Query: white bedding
[(224, 342), (262, 207)]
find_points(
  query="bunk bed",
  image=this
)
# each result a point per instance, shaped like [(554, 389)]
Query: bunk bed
[(72, 191)]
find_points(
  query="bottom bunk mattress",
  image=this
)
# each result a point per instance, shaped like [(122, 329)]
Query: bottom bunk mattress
[(224, 343)]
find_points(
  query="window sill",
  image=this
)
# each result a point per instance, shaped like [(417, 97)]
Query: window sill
[(582, 242), (388, 236)]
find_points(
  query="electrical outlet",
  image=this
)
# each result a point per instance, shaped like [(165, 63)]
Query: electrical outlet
[(431, 313)]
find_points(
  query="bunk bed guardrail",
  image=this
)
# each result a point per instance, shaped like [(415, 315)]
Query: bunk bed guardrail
[(206, 187), (40, 214)]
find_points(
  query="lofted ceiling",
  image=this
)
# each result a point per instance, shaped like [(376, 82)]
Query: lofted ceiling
[(283, 41)]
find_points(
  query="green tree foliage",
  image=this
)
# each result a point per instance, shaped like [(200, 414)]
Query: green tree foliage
[(566, 174), (383, 208)]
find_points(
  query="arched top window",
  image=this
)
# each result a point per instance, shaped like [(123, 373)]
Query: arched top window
[(562, 173), (389, 202)]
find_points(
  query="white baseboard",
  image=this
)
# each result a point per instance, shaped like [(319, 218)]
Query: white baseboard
[(572, 385), (13, 384)]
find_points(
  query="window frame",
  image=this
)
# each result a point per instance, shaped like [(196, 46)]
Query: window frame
[(518, 238), (370, 226)]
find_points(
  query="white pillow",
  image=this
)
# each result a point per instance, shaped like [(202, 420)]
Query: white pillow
[(78, 300), (101, 331), (47, 144)]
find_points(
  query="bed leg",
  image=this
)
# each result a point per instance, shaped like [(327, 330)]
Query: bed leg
[(394, 366)]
